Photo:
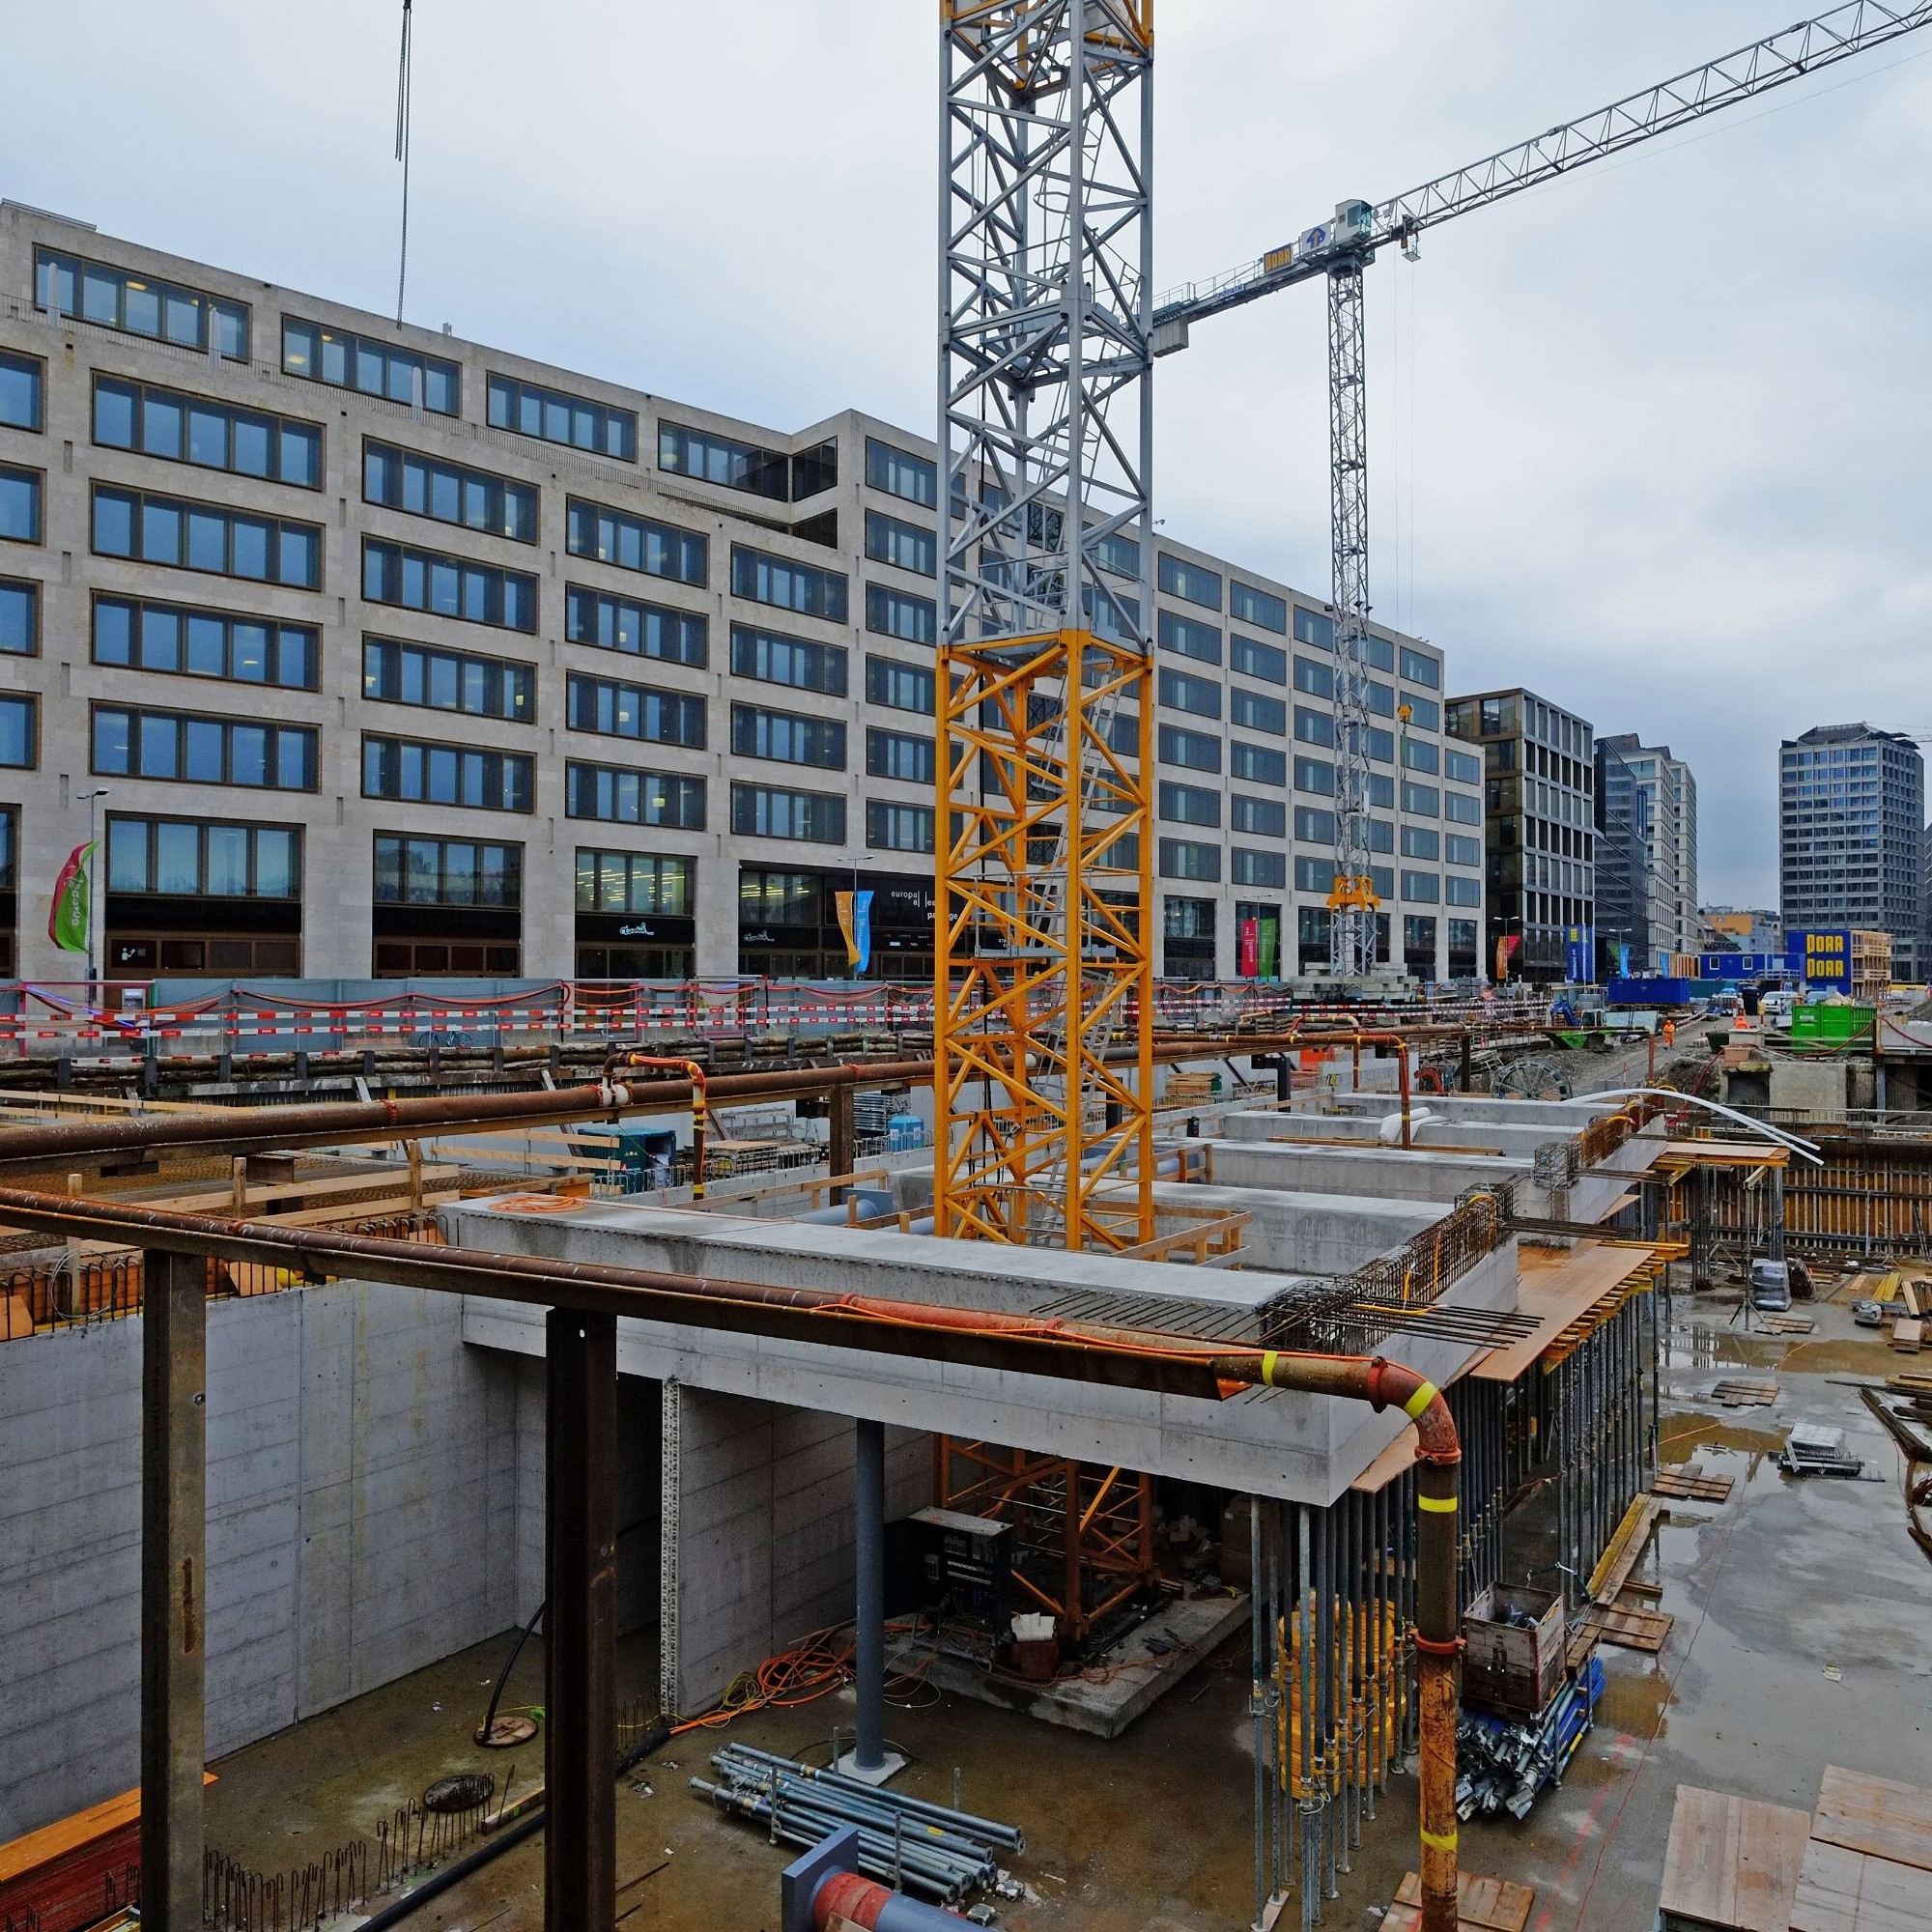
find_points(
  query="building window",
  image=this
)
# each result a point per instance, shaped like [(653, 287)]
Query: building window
[(203, 537), (141, 636), (1314, 876), (642, 711), (1257, 659), (202, 750), (1462, 767), (1258, 764), (449, 493), (19, 733), (1258, 817), (1381, 835), (635, 543), (1461, 851), (449, 587), (19, 618), (1423, 713), (19, 504), (1197, 751), (1253, 712), (767, 897), (1189, 804), (345, 360), (803, 587), (1194, 581), (774, 658), (638, 628), (1178, 692), (893, 613), (763, 811), (1421, 888), (622, 796), (1419, 668), (1119, 552), (525, 409), (399, 673), (1316, 775), (915, 478), (788, 737), (1189, 858), (1314, 825), (1420, 841), (1314, 728), (21, 378), (1189, 636), (900, 687), (1461, 808), (1424, 801), (907, 546), (1314, 627), (137, 304), (898, 828), (1382, 790), (429, 774), (1377, 652), (1314, 678), (1113, 616), (1418, 755), (719, 459), (1381, 745), (186, 894), (178, 428), (1380, 698), (446, 872), (1258, 869), (1249, 605), (1463, 891), (636, 882), (899, 754)]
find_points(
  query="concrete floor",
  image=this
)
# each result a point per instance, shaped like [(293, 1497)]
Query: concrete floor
[(1784, 1583)]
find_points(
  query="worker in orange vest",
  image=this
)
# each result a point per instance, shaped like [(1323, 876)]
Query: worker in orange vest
[(1670, 1033)]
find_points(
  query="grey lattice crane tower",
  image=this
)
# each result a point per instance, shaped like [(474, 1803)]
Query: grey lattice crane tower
[(1341, 250)]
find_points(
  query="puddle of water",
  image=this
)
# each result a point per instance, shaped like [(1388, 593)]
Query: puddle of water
[(1699, 1348), (1856, 1357), (1683, 1433), (1633, 1702)]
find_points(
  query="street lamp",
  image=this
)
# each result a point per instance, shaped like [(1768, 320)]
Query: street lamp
[(92, 800)]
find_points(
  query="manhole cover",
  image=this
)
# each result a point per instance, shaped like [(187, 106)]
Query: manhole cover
[(507, 1731), (463, 1792)]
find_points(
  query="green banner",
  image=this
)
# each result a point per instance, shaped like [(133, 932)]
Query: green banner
[(68, 921)]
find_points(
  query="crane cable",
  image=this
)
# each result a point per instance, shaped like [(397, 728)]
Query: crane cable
[(402, 152)]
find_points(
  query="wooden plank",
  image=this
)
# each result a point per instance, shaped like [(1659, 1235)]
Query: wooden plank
[(26, 1854), (1629, 1627), (1878, 1815), (1690, 1484), (1620, 1558), (1482, 1904), (1907, 1335), (1731, 1865), (1840, 1890)]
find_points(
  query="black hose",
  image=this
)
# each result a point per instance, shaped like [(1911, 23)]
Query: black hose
[(449, 1875)]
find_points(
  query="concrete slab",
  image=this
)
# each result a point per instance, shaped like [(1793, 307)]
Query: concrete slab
[(1126, 1682)]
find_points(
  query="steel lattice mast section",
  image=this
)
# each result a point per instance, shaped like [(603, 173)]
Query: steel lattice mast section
[(1352, 898), (1044, 846)]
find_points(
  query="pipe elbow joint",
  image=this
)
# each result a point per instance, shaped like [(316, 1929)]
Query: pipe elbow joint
[(1396, 1385)]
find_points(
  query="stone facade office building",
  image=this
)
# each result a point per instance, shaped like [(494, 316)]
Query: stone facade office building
[(399, 655)]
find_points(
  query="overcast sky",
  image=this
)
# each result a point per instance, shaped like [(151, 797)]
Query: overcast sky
[(1652, 440)]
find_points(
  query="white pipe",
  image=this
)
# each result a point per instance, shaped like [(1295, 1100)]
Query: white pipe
[(1803, 1149)]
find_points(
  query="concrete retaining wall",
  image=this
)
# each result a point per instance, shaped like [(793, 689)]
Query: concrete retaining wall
[(375, 1496)]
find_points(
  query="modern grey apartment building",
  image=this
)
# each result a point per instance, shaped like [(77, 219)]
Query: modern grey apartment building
[(1538, 773), (1851, 827), (397, 655), (1666, 815), (1623, 867)]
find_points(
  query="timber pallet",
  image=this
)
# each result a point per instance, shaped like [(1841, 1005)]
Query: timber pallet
[(1787, 1324), (1690, 1484), (1744, 1392), (1482, 1905), (1627, 1627)]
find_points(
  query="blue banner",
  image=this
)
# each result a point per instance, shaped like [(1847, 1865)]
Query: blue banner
[(862, 931), (1579, 954)]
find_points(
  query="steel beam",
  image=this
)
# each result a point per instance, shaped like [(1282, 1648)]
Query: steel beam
[(174, 1607), (579, 1651), (869, 1473)]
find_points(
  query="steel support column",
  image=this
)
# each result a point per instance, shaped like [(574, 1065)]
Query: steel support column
[(579, 1651), (174, 1622), (868, 1474)]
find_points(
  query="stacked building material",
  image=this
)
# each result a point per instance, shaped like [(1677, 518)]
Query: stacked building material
[(1815, 1449), (927, 1848), (1503, 1762)]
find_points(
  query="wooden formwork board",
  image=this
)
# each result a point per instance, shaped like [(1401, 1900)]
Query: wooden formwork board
[(1878, 1815), (1482, 1904), (1732, 1864), (1690, 1484), (1627, 1627)]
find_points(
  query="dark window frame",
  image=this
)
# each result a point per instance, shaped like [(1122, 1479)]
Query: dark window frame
[(495, 671), (501, 493), (504, 399), (140, 396), (186, 617), (441, 378), (493, 581), (505, 764), (683, 790), (137, 503), (272, 759), (235, 318)]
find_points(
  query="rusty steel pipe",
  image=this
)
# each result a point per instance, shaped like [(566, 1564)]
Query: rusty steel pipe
[(1437, 1634), (700, 1104)]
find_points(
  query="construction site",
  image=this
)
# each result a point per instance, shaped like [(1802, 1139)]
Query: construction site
[(1039, 1444)]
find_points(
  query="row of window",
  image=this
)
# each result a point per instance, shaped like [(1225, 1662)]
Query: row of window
[(712, 458), (139, 304), (155, 421)]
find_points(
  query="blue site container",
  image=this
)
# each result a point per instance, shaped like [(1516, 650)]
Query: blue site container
[(1657, 992)]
